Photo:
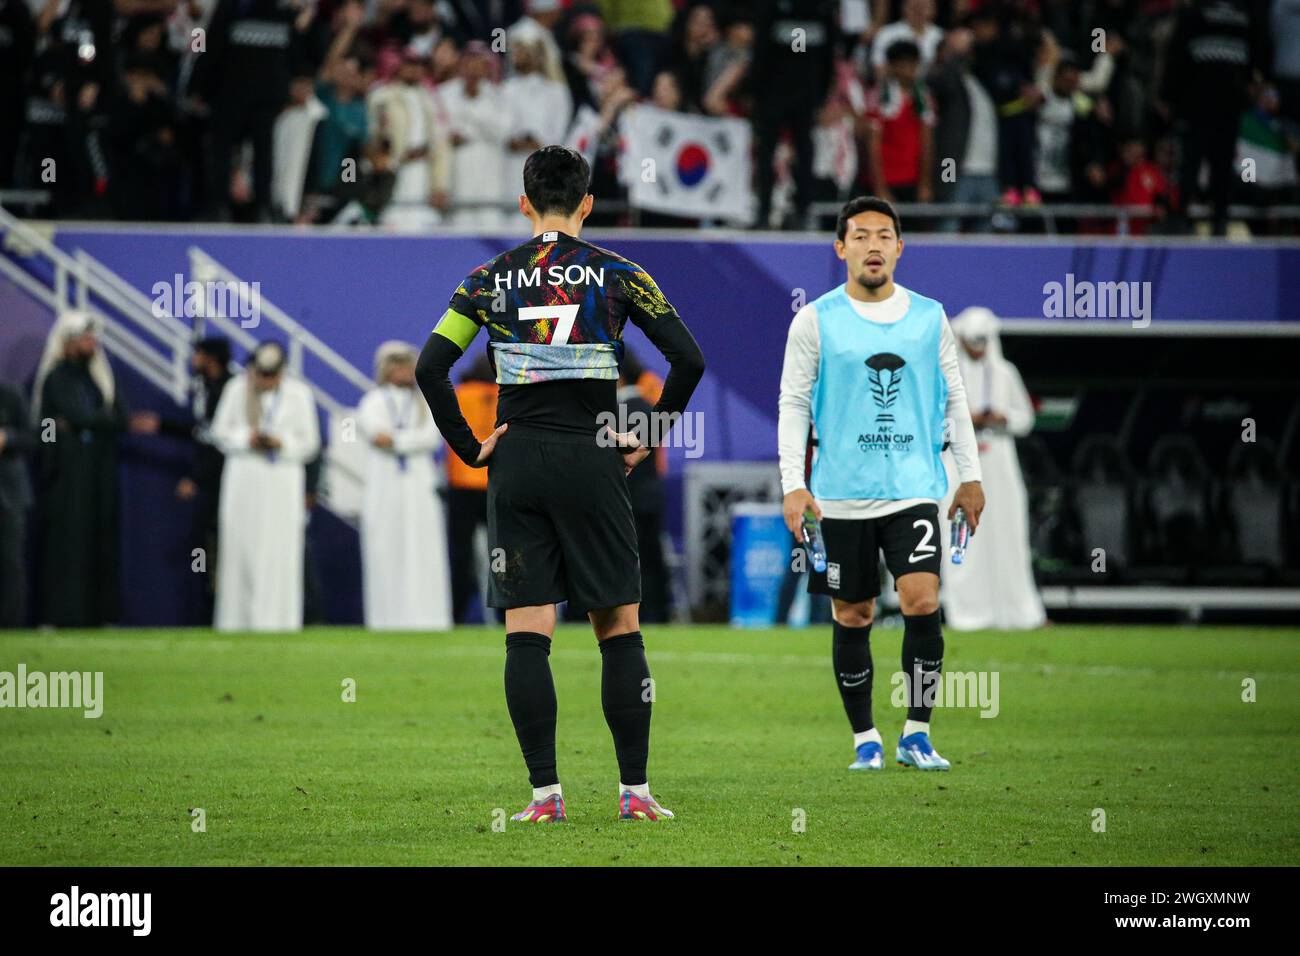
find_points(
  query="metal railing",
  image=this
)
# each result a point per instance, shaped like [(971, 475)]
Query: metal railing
[(154, 345), (26, 198), (341, 484), (1050, 213), (147, 336)]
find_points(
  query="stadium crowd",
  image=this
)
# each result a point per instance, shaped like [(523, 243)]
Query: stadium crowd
[(419, 112)]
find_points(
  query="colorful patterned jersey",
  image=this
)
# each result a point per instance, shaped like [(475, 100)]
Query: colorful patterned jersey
[(554, 308)]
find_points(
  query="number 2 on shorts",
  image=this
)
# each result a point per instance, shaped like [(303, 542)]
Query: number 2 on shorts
[(923, 548)]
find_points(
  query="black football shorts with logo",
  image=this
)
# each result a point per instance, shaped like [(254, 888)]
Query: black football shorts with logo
[(560, 523), (908, 538)]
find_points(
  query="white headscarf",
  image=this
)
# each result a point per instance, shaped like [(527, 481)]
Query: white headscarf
[(391, 352), (978, 322), (268, 358), (985, 383), (68, 325)]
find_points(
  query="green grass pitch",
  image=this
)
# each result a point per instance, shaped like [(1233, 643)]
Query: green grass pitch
[(1144, 723)]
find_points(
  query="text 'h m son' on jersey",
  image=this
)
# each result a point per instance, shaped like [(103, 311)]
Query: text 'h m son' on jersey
[(555, 308)]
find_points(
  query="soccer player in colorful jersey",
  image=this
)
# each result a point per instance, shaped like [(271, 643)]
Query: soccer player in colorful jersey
[(873, 368), (560, 521)]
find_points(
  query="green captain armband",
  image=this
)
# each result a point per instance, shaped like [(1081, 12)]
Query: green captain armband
[(457, 328)]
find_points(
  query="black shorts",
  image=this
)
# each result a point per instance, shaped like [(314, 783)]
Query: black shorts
[(560, 524), (909, 539)]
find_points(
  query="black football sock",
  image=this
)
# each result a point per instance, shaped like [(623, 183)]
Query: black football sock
[(530, 696), (625, 696), (923, 654), (851, 655)]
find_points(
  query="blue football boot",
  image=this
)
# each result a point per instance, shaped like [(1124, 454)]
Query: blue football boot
[(915, 750), (871, 756)]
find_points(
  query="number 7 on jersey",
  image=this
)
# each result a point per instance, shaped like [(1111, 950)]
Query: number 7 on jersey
[(562, 315)]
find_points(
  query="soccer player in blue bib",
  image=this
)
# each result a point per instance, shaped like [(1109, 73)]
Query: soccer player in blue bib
[(872, 367)]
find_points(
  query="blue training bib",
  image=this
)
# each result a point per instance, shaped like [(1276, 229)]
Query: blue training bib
[(879, 403)]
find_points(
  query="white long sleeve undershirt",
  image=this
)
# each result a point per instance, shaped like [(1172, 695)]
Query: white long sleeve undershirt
[(799, 374)]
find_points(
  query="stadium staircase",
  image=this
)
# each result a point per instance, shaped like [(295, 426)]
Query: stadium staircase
[(156, 343)]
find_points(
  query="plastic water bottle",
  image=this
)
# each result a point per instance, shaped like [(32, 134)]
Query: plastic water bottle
[(812, 537), (960, 537)]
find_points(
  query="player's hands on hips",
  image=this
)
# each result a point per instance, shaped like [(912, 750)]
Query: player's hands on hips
[(633, 457), (489, 444), (970, 499), (630, 447), (793, 508)]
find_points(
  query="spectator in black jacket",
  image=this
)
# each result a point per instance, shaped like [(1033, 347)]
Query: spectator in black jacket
[(201, 485), (143, 155), (794, 42), (211, 365), (71, 81), (17, 440), (1205, 86), (17, 47), (253, 48), (966, 134), (1005, 65)]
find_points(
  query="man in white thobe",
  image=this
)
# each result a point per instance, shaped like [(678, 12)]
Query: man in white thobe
[(407, 121), (266, 426), (405, 570), (537, 25), (480, 124), (539, 110), (994, 587)]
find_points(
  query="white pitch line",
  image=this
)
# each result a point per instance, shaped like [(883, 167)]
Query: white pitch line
[(726, 658)]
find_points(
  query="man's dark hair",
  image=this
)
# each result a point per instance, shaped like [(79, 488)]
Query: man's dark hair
[(555, 180), (902, 51), (217, 346), (1067, 62), (865, 204)]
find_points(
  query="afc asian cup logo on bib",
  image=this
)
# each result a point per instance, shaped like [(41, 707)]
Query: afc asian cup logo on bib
[(885, 377)]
